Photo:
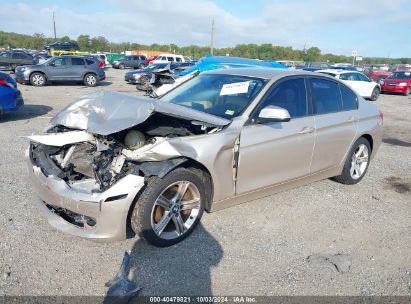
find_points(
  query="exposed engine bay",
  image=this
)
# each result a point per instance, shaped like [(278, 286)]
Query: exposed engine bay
[(103, 160)]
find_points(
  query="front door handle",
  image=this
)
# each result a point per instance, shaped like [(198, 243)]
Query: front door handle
[(307, 130), (351, 119)]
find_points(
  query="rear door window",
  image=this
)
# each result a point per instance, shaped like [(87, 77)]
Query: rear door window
[(18, 56), (326, 96), (170, 59)]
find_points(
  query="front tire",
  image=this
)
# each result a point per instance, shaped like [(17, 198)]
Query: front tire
[(356, 164), (90, 80), (121, 66), (37, 79), (169, 208), (407, 92), (141, 66)]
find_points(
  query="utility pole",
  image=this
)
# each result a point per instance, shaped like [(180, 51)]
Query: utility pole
[(54, 26), (212, 38)]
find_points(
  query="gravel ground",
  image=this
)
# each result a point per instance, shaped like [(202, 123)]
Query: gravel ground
[(320, 239)]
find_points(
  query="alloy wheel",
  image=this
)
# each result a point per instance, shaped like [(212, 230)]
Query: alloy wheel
[(175, 210), (38, 79), (91, 80), (359, 161)]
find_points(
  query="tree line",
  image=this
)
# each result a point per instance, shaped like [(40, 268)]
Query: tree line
[(265, 51)]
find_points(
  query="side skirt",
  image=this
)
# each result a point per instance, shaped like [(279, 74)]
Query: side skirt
[(260, 193)]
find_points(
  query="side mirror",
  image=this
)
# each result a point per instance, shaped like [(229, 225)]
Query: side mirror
[(52, 64), (273, 114)]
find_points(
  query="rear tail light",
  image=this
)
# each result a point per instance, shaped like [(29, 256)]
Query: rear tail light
[(381, 116), (101, 64)]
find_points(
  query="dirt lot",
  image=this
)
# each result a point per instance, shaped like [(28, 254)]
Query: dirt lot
[(320, 239)]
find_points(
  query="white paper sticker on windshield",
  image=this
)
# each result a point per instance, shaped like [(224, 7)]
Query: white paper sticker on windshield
[(407, 73), (229, 112), (235, 88)]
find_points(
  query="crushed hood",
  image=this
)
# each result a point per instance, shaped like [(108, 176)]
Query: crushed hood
[(107, 112)]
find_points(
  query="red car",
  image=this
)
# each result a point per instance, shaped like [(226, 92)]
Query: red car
[(151, 58), (397, 82), (378, 75)]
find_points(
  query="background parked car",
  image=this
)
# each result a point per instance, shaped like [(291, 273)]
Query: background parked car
[(12, 59), (315, 66), (358, 81), (397, 82), (64, 46), (378, 74), (65, 68), (144, 75), (151, 58), (168, 57), (102, 57), (131, 61), (10, 96)]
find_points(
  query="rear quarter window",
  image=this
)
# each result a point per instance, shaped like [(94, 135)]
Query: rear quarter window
[(89, 62), (77, 61), (349, 99)]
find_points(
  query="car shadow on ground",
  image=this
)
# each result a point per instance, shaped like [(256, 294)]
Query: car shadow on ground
[(182, 269), (28, 111)]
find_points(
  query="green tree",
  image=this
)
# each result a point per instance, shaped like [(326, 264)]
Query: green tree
[(84, 42), (312, 54)]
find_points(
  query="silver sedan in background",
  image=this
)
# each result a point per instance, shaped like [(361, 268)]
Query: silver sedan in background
[(110, 161)]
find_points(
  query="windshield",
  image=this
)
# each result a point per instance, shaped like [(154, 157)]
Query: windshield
[(48, 60), (400, 75), (225, 96)]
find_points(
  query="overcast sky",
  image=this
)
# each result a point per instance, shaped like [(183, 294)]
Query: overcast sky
[(372, 27)]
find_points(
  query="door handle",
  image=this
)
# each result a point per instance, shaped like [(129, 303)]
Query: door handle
[(351, 119), (307, 130)]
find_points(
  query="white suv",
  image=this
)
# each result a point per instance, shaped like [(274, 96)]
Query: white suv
[(357, 81), (168, 57)]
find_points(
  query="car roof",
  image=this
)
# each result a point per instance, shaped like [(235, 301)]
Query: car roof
[(265, 73), (338, 72)]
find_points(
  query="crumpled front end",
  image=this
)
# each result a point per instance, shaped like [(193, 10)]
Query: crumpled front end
[(87, 181), (71, 197)]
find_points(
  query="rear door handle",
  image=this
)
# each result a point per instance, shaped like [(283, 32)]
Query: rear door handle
[(307, 130), (351, 119)]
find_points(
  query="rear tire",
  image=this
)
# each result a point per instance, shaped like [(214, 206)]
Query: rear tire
[(169, 208), (37, 79), (141, 66), (375, 94), (121, 66), (90, 80), (356, 164)]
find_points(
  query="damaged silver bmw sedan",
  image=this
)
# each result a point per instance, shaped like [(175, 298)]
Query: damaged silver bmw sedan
[(110, 163)]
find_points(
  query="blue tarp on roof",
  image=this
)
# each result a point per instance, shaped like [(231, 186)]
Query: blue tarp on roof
[(224, 62)]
